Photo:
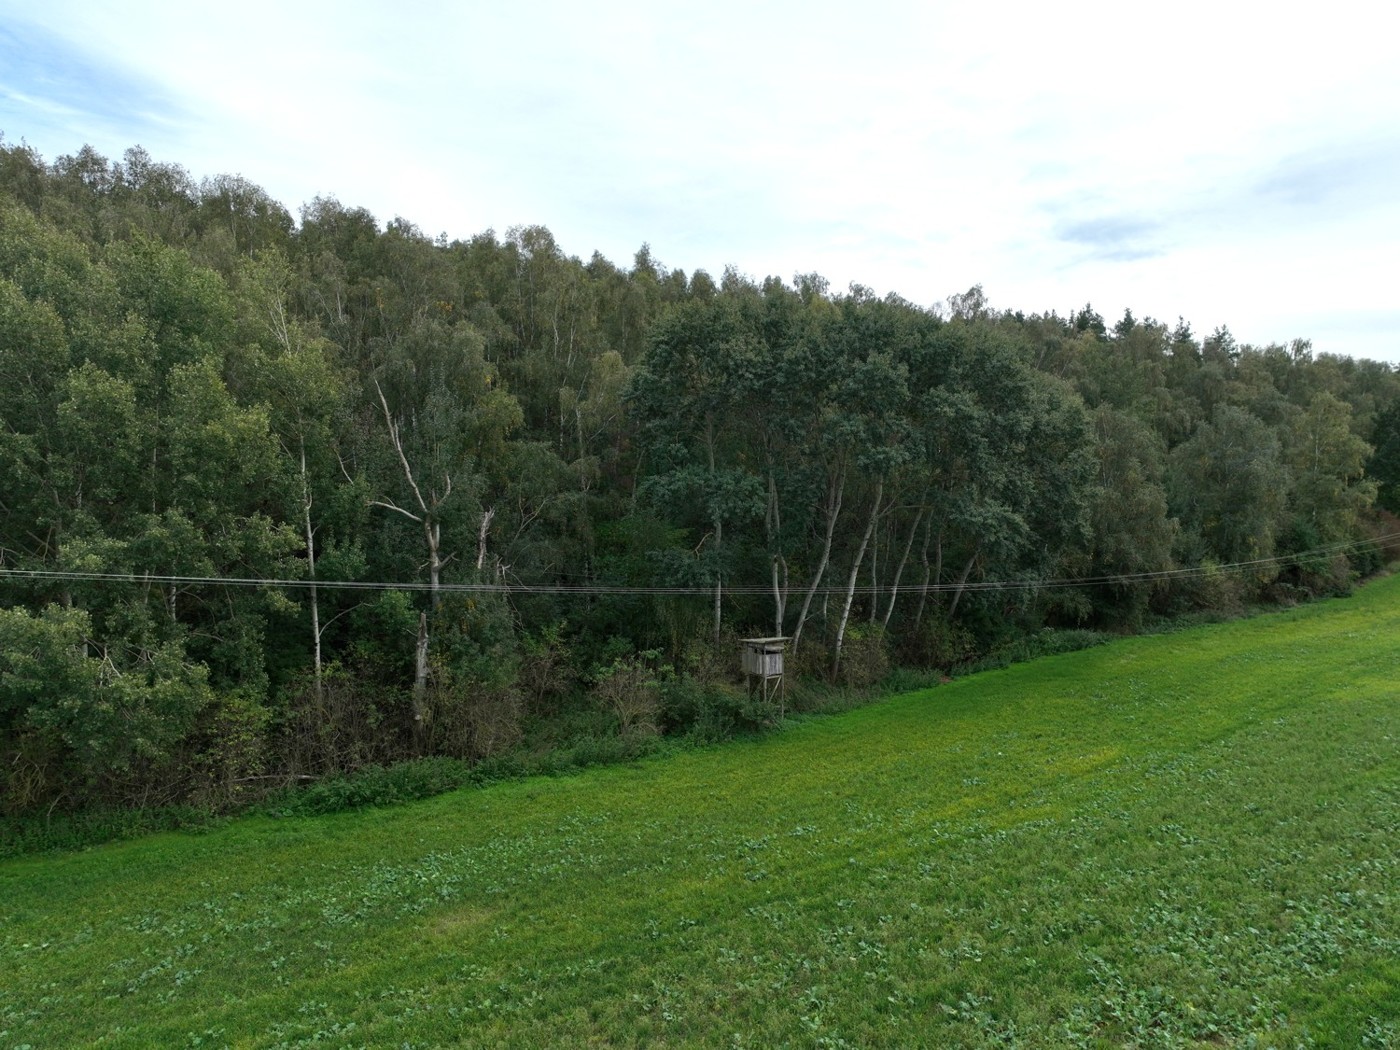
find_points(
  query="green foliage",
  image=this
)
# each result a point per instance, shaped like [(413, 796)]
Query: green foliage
[(629, 689), (710, 712), (341, 726), (473, 720), (473, 642), (80, 720), (1219, 592), (1326, 460), (1047, 642), (58, 831), (938, 643), (1384, 463), (192, 385), (544, 666), (375, 786), (1229, 485), (865, 657), (1132, 533)]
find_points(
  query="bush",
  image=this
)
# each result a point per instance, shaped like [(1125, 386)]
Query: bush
[(544, 669), (229, 753), (376, 786), (1046, 642), (712, 662), (1382, 547), (493, 720), (938, 643), (76, 726), (711, 712), (606, 751), (36, 833), (629, 689), (473, 720), (345, 726), (811, 660), (865, 657), (1220, 592)]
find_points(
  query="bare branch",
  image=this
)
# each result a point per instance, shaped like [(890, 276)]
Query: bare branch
[(526, 520), (391, 505), (337, 616), (398, 447)]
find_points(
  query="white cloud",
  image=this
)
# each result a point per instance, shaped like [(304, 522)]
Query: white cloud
[(1220, 162)]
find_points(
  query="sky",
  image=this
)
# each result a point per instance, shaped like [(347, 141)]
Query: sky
[(1232, 164)]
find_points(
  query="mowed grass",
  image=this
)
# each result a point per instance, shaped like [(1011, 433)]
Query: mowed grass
[(1185, 840)]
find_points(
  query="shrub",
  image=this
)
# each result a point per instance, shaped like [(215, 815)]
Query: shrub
[(229, 753), (544, 674), (473, 720), (347, 724), (1382, 531), (43, 832), (1216, 590), (711, 712), (865, 657), (629, 689), (810, 660), (1046, 642), (81, 722), (938, 643), (712, 662), (607, 750), (376, 786)]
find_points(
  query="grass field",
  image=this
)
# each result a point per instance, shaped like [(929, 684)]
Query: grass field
[(1185, 840)]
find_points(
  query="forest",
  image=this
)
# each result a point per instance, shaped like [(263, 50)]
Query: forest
[(286, 497)]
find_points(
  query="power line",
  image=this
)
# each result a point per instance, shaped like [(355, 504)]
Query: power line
[(1122, 579)]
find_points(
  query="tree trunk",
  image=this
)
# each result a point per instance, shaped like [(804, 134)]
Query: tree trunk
[(719, 578), (311, 574), (432, 535), (481, 533), (962, 582), (855, 571), (780, 588), (420, 681), (774, 522), (928, 572), (874, 576), (834, 493), (719, 531), (899, 572)]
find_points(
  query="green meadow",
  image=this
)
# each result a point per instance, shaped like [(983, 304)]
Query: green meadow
[(1184, 840)]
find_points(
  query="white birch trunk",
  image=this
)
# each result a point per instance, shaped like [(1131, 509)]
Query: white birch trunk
[(855, 572), (311, 573), (962, 583), (774, 522), (833, 511), (904, 559)]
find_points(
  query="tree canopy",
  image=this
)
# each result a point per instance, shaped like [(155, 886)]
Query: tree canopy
[(565, 472)]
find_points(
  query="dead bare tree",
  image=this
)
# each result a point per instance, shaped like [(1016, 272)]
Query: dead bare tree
[(427, 516)]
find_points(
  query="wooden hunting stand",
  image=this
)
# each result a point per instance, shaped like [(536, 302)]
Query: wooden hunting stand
[(763, 667)]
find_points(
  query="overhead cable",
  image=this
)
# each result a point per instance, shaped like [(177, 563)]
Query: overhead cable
[(518, 587)]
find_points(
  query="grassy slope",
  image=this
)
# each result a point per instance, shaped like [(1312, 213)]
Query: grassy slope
[(1162, 841)]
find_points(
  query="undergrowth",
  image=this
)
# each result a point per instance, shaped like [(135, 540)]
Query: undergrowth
[(694, 713)]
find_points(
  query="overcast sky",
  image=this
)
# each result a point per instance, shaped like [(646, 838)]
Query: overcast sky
[(1230, 164)]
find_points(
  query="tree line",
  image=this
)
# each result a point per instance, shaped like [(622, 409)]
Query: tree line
[(195, 386)]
